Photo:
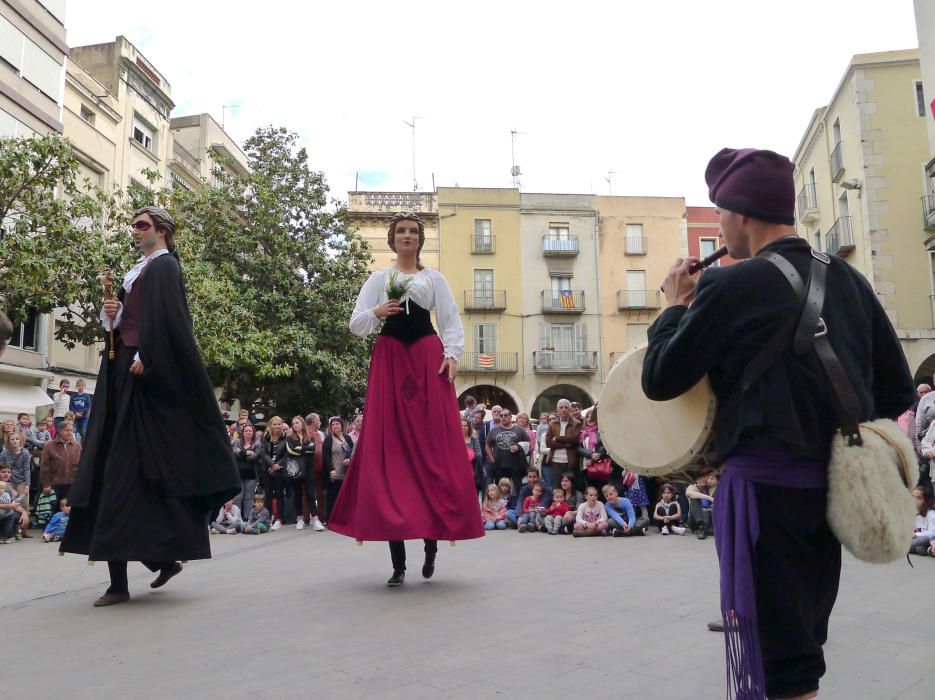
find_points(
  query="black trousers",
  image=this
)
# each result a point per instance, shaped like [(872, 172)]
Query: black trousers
[(118, 573), (797, 570), (398, 552)]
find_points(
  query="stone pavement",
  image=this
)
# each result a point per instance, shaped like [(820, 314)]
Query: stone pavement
[(298, 614)]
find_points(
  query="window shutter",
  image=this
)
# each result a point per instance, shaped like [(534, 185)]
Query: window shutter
[(581, 337), (545, 336)]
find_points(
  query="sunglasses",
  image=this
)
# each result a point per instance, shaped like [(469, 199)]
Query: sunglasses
[(141, 226)]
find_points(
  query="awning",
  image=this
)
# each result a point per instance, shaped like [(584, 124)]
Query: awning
[(21, 398)]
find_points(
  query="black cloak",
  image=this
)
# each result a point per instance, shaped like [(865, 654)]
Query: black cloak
[(157, 458)]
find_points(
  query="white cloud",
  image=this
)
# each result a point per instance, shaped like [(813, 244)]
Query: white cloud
[(650, 90)]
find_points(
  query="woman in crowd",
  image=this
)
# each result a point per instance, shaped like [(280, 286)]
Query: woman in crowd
[(20, 461), (273, 463), (300, 451), (591, 449), (248, 452), (522, 420), (473, 449), (404, 485), (336, 454), (573, 498), (357, 424), (545, 454)]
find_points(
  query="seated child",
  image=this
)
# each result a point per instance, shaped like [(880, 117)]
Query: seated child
[(493, 510), (228, 521), (532, 506), (45, 507), (55, 530), (259, 518), (924, 533), (668, 513), (8, 513), (553, 519), (621, 515), (506, 490), (700, 495), (592, 518)]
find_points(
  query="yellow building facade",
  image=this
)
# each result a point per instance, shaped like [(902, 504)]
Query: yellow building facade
[(860, 175)]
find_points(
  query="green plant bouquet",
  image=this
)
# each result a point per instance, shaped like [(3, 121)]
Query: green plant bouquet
[(395, 289)]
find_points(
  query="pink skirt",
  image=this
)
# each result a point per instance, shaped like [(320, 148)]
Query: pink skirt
[(409, 477)]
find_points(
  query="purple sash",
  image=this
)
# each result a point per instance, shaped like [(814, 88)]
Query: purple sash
[(736, 532)]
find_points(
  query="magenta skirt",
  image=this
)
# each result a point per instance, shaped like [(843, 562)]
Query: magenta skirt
[(409, 477)]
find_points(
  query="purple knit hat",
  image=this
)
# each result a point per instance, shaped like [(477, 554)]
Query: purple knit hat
[(753, 183)]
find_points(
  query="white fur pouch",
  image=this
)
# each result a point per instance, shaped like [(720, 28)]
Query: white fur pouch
[(870, 505)]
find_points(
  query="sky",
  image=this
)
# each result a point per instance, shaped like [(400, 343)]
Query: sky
[(640, 93)]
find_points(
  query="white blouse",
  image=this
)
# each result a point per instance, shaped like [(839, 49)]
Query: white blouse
[(428, 288)]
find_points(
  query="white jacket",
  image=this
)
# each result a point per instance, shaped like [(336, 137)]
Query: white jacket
[(926, 524), (231, 519)]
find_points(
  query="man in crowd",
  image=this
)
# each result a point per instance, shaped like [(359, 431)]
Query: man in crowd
[(470, 403), (81, 407), (562, 441), (59, 462), (494, 418), (507, 447)]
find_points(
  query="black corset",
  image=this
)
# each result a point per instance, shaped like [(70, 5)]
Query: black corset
[(409, 327)]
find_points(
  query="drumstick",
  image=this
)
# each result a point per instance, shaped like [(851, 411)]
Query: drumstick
[(706, 262)]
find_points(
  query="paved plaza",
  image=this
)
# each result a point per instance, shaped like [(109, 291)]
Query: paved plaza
[(305, 614)]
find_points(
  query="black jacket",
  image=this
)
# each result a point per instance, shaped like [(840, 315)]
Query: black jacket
[(326, 448), (248, 466), (740, 307)]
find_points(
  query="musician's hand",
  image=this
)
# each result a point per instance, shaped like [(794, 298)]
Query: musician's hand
[(136, 368), (452, 365), (111, 307), (679, 286)]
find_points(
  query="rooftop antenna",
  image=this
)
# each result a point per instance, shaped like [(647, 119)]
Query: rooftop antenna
[(610, 174), (412, 125), (224, 109), (515, 169)]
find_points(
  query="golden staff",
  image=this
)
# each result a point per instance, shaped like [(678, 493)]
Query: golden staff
[(106, 279)]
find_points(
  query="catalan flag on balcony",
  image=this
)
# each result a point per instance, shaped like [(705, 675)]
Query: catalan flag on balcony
[(486, 360), (567, 299)]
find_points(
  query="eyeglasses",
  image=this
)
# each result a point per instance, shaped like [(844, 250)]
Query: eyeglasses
[(141, 226)]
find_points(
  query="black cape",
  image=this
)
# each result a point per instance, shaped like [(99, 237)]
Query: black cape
[(157, 458)]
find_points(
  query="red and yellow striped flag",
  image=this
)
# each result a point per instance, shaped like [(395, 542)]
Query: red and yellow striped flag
[(486, 360), (567, 299)]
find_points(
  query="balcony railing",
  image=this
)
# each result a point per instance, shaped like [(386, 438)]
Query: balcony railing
[(186, 159), (840, 238), (808, 203), (928, 212), (489, 362), (566, 301), (635, 245), (638, 299), (837, 162), (559, 245), (483, 245), (564, 361), (484, 299)]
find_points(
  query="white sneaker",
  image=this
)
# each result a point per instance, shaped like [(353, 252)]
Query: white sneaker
[(316, 523), (276, 526), (678, 530), (665, 529), (300, 524)]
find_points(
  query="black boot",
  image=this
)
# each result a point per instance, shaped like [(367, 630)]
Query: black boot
[(398, 555), (431, 549), (396, 579)]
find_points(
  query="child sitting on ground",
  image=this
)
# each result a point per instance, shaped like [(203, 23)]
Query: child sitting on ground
[(259, 518), (532, 506), (55, 530), (506, 490), (493, 511), (592, 518), (228, 521), (45, 507), (621, 515), (8, 512), (668, 513), (553, 519), (924, 533)]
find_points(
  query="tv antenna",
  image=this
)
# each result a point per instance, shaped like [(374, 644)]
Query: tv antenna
[(609, 179), (412, 125), (515, 169)]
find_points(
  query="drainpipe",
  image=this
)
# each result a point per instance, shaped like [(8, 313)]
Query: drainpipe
[(597, 276)]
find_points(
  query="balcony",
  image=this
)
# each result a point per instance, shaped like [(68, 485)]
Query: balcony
[(840, 238), (629, 299), (489, 362), (808, 204), (837, 162), (560, 246), (565, 361), (566, 301), (635, 245), (484, 299), (928, 212), (483, 245), (184, 158)]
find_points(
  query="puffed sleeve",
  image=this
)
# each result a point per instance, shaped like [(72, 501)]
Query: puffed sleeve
[(363, 320), (449, 319)]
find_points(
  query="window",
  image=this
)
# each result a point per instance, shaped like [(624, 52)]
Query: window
[(143, 134), (559, 285), (706, 246), (485, 338), (843, 208), (635, 241), (836, 131), (483, 240), (26, 335), (87, 114), (558, 232), (483, 288), (920, 98), (636, 295), (636, 334)]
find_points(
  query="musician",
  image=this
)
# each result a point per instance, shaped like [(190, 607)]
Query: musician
[(779, 561), (156, 459)]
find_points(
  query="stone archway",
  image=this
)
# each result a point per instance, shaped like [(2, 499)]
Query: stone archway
[(490, 395), (548, 399), (920, 355)]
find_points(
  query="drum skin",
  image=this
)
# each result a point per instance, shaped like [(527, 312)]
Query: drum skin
[(653, 438)]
